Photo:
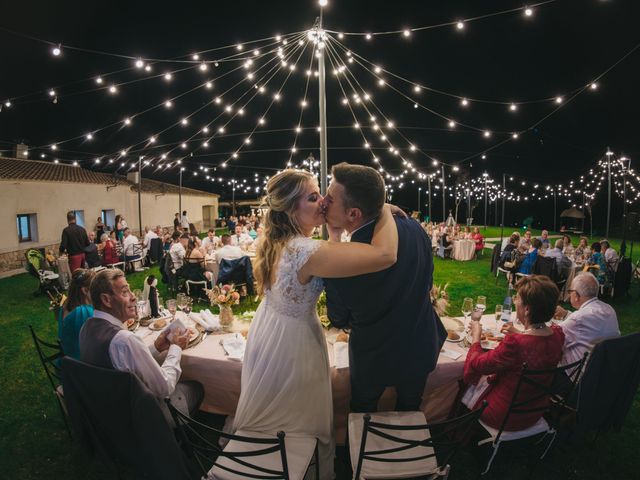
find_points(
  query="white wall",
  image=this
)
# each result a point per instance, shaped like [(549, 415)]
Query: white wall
[(52, 200)]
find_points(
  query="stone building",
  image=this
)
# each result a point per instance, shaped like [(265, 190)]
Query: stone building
[(35, 197)]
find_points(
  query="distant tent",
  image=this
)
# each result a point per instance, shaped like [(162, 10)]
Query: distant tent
[(572, 212)]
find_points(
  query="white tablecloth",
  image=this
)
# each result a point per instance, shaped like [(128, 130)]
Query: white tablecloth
[(220, 376), (463, 250)]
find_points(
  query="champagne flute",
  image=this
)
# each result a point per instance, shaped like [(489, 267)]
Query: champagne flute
[(498, 313), (467, 307), (481, 303), (187, 306), (171, 306), (181, 300)]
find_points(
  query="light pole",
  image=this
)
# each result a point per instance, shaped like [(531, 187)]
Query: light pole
[(139, 192), (555, 190), (444, 198), (504, 189), (624, 169), (322, 104), (419, 192), (180, 192), (429, 184), (609, 153), (485, 175), (233, 197)]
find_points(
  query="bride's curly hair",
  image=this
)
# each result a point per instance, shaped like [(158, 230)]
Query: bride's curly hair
[(280, 224)]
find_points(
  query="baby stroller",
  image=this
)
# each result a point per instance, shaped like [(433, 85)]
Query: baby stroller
[(36, 264)]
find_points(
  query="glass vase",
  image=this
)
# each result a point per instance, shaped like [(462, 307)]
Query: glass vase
[(226, 316)]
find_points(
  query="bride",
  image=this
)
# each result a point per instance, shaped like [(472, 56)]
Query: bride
[(286, 382)]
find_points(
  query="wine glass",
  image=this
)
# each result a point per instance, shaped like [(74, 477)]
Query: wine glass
[(498, 313), (171, 306), (186, 308), (467, 307), (181, 300), (481, 303)]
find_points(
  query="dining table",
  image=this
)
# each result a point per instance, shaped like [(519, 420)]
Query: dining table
[(463, 250), (208, 363)]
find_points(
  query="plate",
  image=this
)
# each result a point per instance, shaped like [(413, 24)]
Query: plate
[(132, 326), (153, 326), (457, 340), (451, 323)]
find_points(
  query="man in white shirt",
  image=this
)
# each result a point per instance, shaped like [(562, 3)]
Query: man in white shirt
[(184, 221), (178, 249), (610, 255), (593, 319), (129, 245), (210, 241), (106, 342), (228, 251), (239, 238), (148, 236)]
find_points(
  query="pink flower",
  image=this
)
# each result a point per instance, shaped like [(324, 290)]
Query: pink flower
[(226, 288), (222, 298), (235, 296)]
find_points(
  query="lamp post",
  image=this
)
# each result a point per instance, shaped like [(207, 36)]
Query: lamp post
[(322, 104), (609, 154), (555, 189), (444, 199), (233, 197), (429, 184), (485, 175), (504, 189), (624, 169), (139, 192), (180, 192), (419, 209)]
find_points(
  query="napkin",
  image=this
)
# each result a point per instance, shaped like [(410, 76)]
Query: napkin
[(212, 320), (234, 345), (175, 328), (341, 354), (452, 354), (197, 317)]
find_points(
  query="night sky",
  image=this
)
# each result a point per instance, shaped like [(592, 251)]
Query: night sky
[(507, 58)]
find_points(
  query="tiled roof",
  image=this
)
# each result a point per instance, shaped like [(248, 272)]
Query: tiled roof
[(34, 170)]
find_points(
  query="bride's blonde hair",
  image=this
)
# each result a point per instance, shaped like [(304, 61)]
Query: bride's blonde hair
[(280, 224)]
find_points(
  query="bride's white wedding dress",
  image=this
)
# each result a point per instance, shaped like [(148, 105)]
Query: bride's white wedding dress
[(286, 383)]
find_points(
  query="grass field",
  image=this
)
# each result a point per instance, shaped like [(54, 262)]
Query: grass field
[(34, 443)]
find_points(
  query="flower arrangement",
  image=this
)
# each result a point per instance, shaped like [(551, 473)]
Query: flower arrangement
[(440, 299), (322, 310), (223, 295)]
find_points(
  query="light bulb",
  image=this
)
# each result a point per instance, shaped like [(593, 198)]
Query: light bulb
[(558, 99), (168, 104), (113, 89), (99, 80), (513, 107), (52, 93), (515, 136), (464, 102), (460, 25), (323, 3), (452, 124), (528, 12), (593, 86), (406, 33), (168, 77), (368, 36), (487, 133), (139, 63), (56, 51)]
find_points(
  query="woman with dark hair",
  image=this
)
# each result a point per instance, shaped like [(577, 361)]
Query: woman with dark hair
[(597, 262), (538, 345), (119, 227), (109, 252), (193, 266), (75, 311)]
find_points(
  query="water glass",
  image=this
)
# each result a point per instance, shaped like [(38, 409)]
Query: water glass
[(172, 307)]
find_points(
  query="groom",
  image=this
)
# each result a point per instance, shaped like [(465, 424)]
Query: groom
[(395, 334)]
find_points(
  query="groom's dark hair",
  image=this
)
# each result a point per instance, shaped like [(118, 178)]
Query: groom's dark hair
[(364, 187)]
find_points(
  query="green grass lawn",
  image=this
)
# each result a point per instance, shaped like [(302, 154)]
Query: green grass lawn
[(34, 443)]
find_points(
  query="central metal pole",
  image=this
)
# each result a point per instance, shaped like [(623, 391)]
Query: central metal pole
[(419, 210), (322, 104), (485, 202), (444, 200), (139, 193), (555, 191)]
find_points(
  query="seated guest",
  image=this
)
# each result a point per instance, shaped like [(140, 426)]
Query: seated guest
[(568, 247), (210, 241), (109, 252), (562, 261), (477, 237), (252, 232), (526, 239), (178, 249), (129, 246), (91, 252), (544, 239), (597, 260), (610, 256), (507, 254), (530, 258), (75, 311), (148, 236), (507, 240), (582, 251), (240, 238), (538, 346), (193, 231), (193, 266), (593, 319), (106, 343), (228, 251)]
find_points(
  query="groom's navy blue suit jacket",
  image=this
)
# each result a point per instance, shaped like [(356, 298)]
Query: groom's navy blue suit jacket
[(395, 333)]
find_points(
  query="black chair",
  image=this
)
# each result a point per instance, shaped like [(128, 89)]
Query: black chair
[(402, 444), (239, 272), (155, 250), (556, 384), (50, 361), (247, 454), (117, 419), (609, 385)]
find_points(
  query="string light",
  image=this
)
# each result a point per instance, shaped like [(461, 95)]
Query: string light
[(57, 50)]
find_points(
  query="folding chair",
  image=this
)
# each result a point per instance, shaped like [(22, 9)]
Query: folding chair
[(544, 383), (500, 270), (52, 370), (401, 444), (247, 454)]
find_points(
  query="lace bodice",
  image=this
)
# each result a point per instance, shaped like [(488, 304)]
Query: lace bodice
[(287, 295)]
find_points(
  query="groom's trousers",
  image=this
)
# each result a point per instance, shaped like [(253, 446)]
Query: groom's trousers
[(366, 394)]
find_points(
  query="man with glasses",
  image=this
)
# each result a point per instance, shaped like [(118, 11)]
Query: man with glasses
[(593, 319), (106, 342)]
